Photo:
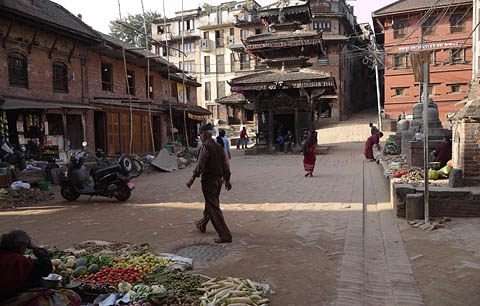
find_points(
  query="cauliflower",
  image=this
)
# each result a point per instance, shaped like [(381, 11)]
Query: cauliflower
[(124, 287), (158, 289)]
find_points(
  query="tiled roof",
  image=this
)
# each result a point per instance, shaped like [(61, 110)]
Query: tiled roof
[(234, 98), (49, 13), (275, 36), (283, 4), (272, 77), (412, 5), (140, 53)]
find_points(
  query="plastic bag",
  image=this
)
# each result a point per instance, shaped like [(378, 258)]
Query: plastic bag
[(20, 184)]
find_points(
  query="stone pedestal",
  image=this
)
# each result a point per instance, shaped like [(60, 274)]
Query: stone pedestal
[(414, 151)]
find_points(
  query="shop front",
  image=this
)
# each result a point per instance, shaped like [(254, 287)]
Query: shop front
[(44, 131), (114, 124), (190, 117)]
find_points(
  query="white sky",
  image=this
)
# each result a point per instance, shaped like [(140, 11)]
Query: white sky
[(98, 13)]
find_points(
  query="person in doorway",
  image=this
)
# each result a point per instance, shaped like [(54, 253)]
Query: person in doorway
[(310, 153), (226, 143), (213, 166), (281, 143), (289, 142), (373, 129), (21, 277), (243, 138), (373, 140), (443, 152)]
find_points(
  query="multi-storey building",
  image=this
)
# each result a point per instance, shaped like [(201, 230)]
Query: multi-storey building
[(211, 40), (443, 28), (343, 59), (66, 83)]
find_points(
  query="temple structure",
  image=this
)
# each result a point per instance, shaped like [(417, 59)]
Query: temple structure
[(286, 95)]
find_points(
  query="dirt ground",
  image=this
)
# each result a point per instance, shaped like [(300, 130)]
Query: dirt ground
[(288, 230)]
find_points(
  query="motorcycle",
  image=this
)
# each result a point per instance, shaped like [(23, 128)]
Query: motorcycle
[(113, 180)]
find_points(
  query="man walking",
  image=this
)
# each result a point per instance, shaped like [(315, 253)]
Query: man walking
[(213, 166)]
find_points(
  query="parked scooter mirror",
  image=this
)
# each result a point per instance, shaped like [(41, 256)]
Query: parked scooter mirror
[(84, 144)]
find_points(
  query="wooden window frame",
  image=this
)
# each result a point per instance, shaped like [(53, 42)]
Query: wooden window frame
[(458, 23), (17, 70), (206, 61), (400, 29), (460, 60), (221, 93), (208, 91), (60, 77), (399, 95), (131, 82), (429, 26), (107, 85), (151, 89), (394, 59), (220, 68)]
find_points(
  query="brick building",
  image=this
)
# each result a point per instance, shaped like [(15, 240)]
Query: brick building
[(67, 84), (443, 29), (43, 54), (343, 38), (466, 137)]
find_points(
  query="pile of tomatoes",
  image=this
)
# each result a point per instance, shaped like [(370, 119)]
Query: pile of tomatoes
[(113, 276)]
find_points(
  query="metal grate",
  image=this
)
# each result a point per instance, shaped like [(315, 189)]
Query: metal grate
[(203, 252)]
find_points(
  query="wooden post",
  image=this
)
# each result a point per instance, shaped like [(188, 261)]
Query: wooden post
[(270, 128), (421, 71), (297, 130)]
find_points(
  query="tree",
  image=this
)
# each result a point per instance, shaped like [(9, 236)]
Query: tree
[(135, 21)]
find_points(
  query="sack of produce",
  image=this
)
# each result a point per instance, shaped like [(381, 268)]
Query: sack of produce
[(432, 175)]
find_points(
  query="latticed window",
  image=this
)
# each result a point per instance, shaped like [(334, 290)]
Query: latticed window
[(400, 29), (60, 77), (457, 23), (400, 60), (17, 70), (428, 27)]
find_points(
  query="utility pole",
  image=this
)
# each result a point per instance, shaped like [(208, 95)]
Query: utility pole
[(425, 133), (375, 61), (421, 71)]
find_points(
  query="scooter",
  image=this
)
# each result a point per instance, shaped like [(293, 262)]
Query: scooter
[(111, 180)]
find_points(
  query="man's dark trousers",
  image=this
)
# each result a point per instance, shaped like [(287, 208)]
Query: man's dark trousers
[(211, 191)]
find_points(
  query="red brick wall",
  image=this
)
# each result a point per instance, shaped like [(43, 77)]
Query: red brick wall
[(40, 82), (95, 61), (443, 74), (471, 152)]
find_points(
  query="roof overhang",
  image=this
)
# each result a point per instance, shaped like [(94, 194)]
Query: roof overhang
[(15, 104)]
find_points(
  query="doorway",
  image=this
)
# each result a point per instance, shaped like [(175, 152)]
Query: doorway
[(282, 123), (100, 131), (75, 131)]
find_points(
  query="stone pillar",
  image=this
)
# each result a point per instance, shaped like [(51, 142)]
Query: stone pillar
[(297, 130), (270, 128)]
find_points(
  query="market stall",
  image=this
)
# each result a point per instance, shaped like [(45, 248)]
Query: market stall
[(112, 273)]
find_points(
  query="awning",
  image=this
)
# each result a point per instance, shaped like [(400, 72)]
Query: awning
[(135, 104), (11, 104), (191, 109)]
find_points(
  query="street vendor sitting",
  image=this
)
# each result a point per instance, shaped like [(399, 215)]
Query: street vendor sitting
[(443, 152), (21, 277)]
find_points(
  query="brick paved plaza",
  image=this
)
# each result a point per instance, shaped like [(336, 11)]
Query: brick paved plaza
[(326, 240)]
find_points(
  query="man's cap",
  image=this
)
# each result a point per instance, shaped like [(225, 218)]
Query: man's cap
[(207, 128)]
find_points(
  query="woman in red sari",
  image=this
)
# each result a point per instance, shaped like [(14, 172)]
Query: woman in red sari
[(310, 153), (371, 141)]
